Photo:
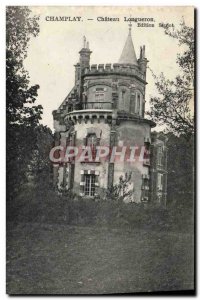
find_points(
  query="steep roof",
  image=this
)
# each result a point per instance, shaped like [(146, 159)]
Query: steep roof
[(128, 55)]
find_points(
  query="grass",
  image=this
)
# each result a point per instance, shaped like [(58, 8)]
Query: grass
[(60, 259)]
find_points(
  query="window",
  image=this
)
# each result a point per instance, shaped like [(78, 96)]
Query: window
[(159, 155), (92, 140), (160, 181), (70, 108), (138, 103), (132, 104), (99, 97), (145, 195), (123, 99), (70, 141), (92, 143), (146, 155), (145, 187), (89, 185), (99, 89)]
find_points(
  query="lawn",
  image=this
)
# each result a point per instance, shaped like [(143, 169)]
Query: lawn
[(61, 259)]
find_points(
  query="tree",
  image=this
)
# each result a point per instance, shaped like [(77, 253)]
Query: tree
[(180, 187), (172, 105), (40, 165), (122, 190), (21, 113)]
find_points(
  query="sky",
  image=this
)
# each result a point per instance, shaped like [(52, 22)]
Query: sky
[(54, 52)]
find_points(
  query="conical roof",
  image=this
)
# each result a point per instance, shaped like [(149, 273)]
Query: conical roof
[(128, 55)]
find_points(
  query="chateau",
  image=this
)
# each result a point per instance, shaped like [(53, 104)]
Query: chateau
[(106, 108)]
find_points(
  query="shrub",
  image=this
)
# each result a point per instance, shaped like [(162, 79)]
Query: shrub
[(39, 203)]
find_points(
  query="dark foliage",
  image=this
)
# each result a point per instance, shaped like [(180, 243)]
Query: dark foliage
[(41, 204), (121, 190), (180, 187), (172, 107), (22, 115)]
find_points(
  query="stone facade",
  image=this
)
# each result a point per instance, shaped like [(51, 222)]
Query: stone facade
[(106, 108), (158, 170)]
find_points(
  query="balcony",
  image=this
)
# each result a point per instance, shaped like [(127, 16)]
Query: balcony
[(97, 105), (92, 114)]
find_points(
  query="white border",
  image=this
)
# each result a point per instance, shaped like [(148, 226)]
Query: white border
[(195, 3)]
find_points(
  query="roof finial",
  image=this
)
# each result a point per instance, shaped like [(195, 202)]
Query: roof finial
[(84, 42), (130, 25), (128, 55)]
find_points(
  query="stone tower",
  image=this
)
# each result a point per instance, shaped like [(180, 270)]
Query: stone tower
[(105, 108)]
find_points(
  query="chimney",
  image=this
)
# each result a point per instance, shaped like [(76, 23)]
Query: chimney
[(142, 61), (85, 55)]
